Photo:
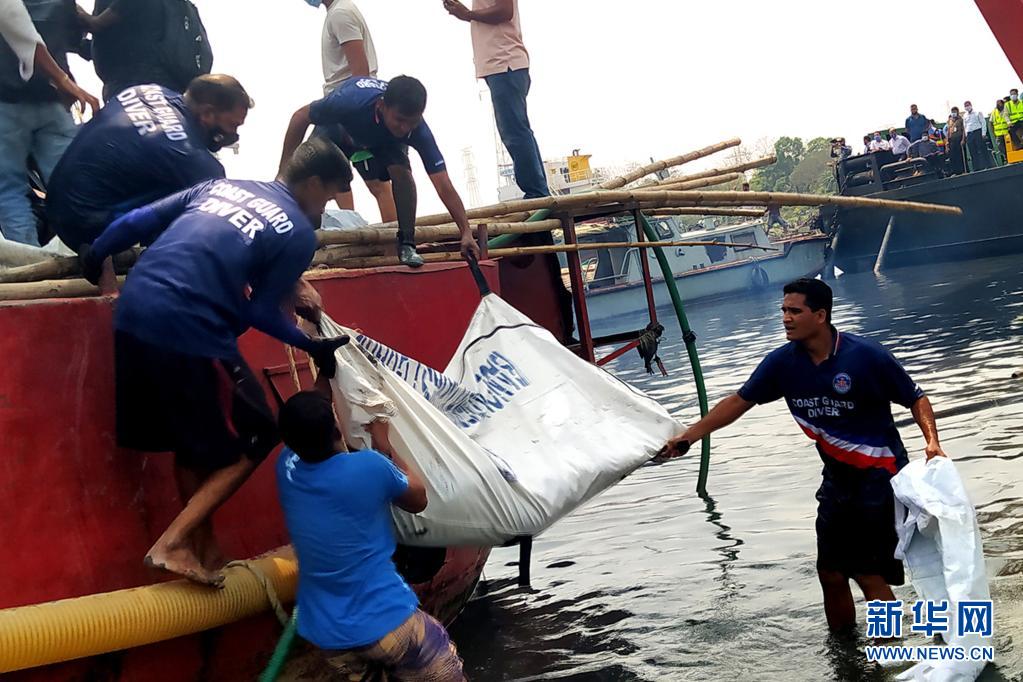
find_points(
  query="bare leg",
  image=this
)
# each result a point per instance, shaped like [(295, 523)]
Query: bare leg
[(874, 587), (345, 200), (385, 199), (173, 552), (204, 542), (838, 601)]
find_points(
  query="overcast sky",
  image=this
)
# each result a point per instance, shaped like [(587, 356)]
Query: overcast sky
[(625, 81)]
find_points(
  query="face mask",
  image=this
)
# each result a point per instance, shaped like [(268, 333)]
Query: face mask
[(220, 138), (877, 138), (1014, 97), (314, 3), (955, 115)]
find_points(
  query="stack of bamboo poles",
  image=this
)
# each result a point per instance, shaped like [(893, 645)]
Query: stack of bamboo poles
[(372, 246)]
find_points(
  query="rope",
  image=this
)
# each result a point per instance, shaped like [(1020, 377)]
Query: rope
[(267, 585)]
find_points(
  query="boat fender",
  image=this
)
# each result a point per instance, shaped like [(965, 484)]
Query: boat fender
[(648, 344), (759, 278)]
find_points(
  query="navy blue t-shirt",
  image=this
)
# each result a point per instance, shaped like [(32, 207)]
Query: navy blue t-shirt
[(353, 106), (916, 127), (338, 514), (142, 146), (843, 404), (213, 242)]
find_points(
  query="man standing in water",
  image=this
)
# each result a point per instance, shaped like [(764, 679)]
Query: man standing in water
[(839, 388)]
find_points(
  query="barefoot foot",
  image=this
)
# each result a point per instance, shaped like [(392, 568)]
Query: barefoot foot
[(182, 562)]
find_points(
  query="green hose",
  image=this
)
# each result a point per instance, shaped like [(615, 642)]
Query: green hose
[(690, 341), (503, 240), (281, 651)]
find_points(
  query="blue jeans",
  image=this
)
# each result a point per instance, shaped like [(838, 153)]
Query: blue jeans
[(508, 92), (42, 130)]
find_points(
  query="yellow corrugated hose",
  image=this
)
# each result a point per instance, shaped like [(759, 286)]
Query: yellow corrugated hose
[(64, 630)]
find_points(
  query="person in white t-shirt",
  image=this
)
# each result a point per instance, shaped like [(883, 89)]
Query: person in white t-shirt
[(347, 51)]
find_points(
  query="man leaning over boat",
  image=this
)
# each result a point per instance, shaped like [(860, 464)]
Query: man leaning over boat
[(181, 383), (145, 144), (385, 118)]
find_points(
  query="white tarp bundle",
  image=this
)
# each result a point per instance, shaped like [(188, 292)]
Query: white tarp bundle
[(940, 544), (516, 433)]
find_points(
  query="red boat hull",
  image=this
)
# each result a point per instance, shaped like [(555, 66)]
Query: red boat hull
[(77, 514)]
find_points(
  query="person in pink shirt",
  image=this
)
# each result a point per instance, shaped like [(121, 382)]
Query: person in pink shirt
[(502, 61)]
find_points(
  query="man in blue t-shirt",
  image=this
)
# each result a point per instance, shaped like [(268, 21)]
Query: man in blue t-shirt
[(337, 506), (227, 256), (384, 118), (839, 388), (146, 143)]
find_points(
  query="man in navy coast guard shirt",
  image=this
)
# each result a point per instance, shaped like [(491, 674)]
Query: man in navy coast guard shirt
[(227, 256), (839, 388), (146, 143), (385, 118)]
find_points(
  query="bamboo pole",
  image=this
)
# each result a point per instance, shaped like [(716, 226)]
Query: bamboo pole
[(429, 234), (688, 198), (451, 256), (59, 267), (711, 172), (54, 288), (743, 212), (622, 180), (333, 254), (705, 182), (796, 199)]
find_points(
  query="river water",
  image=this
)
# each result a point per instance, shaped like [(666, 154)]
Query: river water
[(651, 582)]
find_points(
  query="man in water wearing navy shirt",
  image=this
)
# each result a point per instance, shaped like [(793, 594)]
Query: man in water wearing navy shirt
[(385, 118), (146, 143), (839, 388), (352, 602), (182, 385)]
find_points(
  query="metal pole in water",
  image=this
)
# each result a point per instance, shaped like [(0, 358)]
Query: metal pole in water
[(690, 341), (882, 254)]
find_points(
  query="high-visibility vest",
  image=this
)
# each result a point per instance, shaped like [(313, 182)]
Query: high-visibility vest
[(999, 124), (1015, 111)]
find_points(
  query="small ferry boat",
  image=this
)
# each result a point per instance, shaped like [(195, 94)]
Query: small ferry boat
[(615, 286)]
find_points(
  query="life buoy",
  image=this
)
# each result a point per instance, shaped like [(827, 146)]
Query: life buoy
[(759, 278)]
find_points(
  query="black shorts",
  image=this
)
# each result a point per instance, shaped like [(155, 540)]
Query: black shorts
[(207, 411), (856, 527), (374, 168), (77, 230)]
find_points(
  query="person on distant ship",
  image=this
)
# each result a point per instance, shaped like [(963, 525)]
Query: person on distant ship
[(917, 124), (956, 145), (976, 137), (899, 143), (352, 602), (839, 388), (878, 143), (182, 385), (385, 118)]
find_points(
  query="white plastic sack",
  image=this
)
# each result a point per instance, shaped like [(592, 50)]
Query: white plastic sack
[(516, 433), (940, 544), (342, 219)]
